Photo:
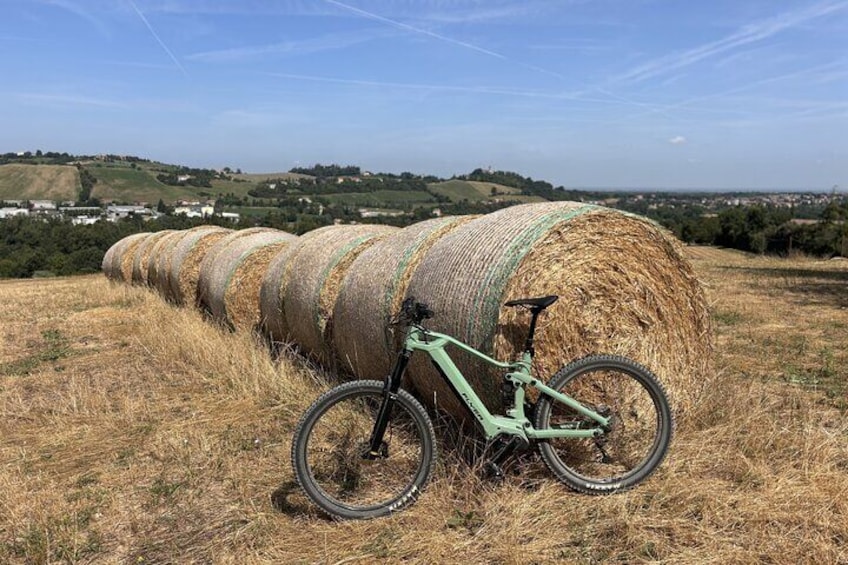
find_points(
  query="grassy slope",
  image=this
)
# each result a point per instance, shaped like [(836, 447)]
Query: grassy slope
[(47, 182), (133, 431), (475, 191), (118, 181), (258, 177), (387, 197)]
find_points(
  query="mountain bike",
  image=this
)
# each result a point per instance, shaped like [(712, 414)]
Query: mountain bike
[(366, 449)]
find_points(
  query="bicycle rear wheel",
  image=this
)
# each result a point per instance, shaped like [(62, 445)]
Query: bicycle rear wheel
[(641, 424), (333, 436)]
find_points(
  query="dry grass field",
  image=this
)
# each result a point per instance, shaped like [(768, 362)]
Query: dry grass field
[(49, 182), (132, 431)]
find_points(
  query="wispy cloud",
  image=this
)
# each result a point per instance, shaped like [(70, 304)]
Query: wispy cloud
[(327, 42), (78, 10), (440, 37), (576, 44), (69, 100), (478, 14), (753, 32), (805, 75), (157, 38), (577, 97), (260, 118), (677, 140)]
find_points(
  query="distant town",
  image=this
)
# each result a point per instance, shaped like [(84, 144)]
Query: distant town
[(79, 214)]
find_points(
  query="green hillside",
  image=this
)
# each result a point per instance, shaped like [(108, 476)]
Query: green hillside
[(335, 190)]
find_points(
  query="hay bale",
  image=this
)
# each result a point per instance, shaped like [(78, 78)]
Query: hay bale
[(106, 265), (157, 263), (164, 255), (624, 284), (273, 289), (115, 255), (311, 279), (203, 292), (141, 258), (372, 292), (186, 258), (233, 278), (127, 257)]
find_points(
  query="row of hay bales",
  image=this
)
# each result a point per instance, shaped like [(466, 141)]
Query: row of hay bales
[(625, 287)]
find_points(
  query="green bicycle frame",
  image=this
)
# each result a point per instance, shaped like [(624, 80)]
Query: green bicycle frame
[(515, 422)]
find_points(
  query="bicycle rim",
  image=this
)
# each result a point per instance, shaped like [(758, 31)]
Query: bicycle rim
[(347, 481), (630, 451)]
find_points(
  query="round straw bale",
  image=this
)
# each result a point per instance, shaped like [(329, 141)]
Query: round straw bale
[(116, 255), (624, 284), (202, 292), (372, 292), (312, 279), (106, 265), (141, 258), (164, 258), (126, 257), (273, 289), (186, 258), (232, 280), (158, 261)]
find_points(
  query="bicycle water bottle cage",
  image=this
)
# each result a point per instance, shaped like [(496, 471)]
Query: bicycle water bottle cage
[(536, 306)]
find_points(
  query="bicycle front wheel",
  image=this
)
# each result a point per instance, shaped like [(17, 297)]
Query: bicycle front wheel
[(641, 424), (332, 438)]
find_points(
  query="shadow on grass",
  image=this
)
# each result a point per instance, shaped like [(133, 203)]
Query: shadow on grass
[(289, 499), (813, 287)]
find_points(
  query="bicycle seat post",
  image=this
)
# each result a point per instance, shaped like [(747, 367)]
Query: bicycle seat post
[(528, 344), (535, 305)]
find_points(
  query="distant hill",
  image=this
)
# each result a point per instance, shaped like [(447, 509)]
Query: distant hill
[(38, 182), (477, 191), (115, 180)]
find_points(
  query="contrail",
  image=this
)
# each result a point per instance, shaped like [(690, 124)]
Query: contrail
[(482, 50), (741, 88), (750, 33), (440, 37), (156, 36)]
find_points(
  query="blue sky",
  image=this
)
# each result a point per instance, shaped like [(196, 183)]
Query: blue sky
[(583, 93)]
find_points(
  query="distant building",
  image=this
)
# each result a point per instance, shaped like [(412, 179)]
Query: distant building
[(10, 212), (232, 216), (366, 213), (81, 211), (42, 206), (115, 212), (85, 220), (195, 211)]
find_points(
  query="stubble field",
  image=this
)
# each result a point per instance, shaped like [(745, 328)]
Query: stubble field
[(133, 431)]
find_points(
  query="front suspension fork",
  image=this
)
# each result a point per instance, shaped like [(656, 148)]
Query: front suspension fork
[(390, 389)]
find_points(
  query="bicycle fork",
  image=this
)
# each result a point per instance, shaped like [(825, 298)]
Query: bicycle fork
[(376, 446)]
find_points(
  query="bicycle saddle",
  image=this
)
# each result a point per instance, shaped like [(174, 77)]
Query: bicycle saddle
[(540, 303)]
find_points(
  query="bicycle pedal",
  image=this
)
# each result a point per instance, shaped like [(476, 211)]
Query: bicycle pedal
[(494, 471)]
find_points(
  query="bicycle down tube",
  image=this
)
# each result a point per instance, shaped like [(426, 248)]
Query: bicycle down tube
[(516, 422)]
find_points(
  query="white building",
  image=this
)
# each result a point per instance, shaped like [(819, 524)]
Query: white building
[(85, 220), (10, 212), (115, 213), (39, 206), (195, 211)]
